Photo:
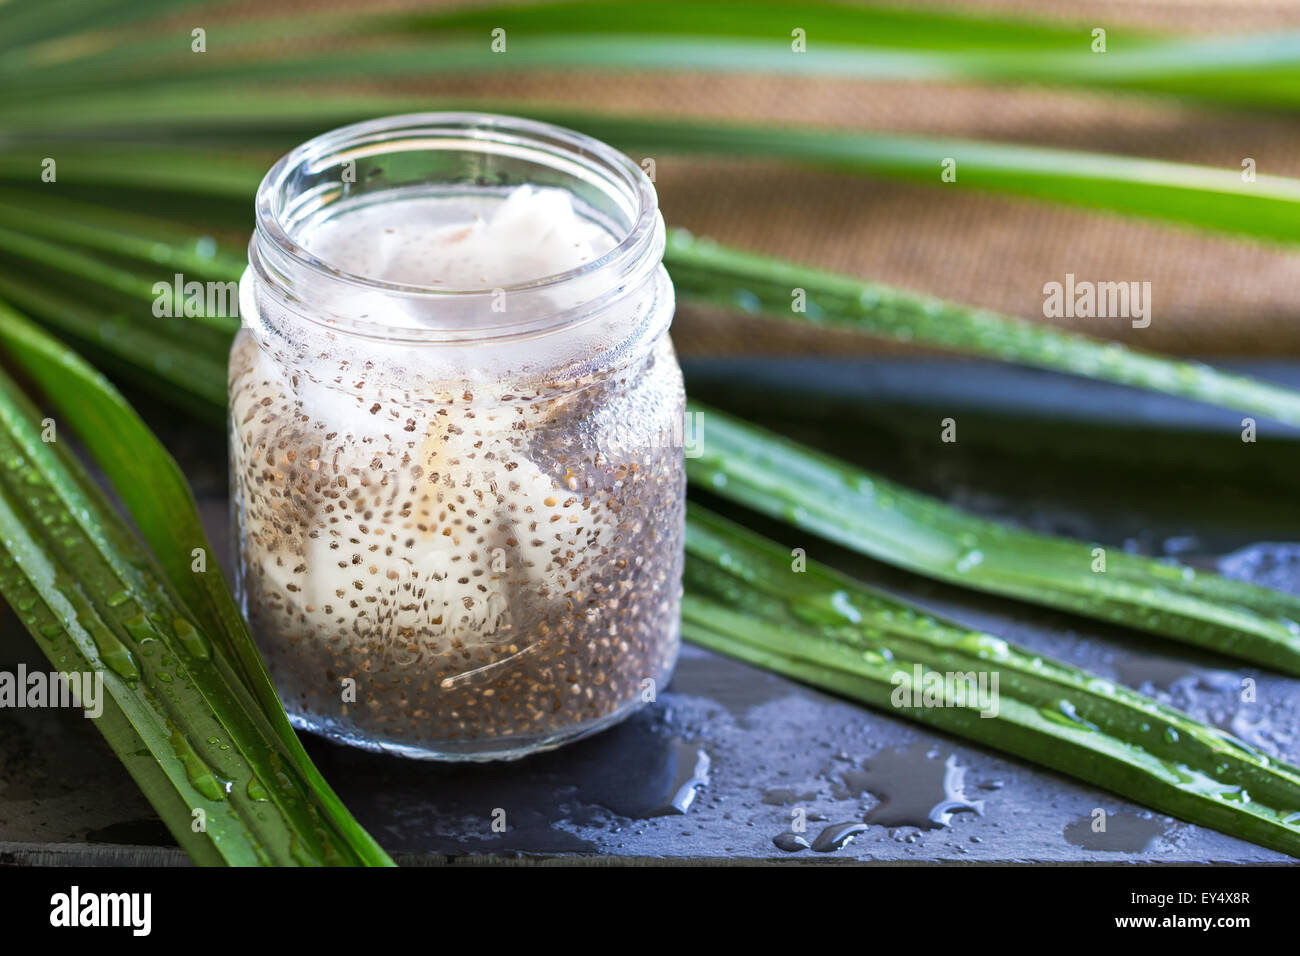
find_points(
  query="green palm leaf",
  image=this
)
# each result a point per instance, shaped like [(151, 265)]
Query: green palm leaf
[(111, 91)]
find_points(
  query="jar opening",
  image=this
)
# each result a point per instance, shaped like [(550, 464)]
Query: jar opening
[(450, 155)]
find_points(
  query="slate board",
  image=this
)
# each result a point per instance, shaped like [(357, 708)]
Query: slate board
[(1053, 453)]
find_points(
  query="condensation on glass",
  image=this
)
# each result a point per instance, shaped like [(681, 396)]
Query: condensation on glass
[(456, 443)]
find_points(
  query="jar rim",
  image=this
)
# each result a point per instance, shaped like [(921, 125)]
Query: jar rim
[(565, 144)]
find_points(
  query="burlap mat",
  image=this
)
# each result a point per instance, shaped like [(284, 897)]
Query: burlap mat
[(1211, 294)]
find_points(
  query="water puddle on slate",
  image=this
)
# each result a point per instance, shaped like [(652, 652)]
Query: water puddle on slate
[(655, 782), (914, 789), (791, 842), (836, 836), (832, 838), (736, 689)]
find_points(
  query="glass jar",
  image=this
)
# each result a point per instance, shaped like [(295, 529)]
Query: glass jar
[(456, 442)]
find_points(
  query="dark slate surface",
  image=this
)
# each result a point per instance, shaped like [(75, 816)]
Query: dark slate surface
[(1055, 454)]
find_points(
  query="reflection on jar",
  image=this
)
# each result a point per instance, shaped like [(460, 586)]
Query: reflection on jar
[(456, 437)]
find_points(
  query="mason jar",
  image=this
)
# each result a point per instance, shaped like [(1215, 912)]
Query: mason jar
[(456, 437)]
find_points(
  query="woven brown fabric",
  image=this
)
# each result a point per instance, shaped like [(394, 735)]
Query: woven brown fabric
[(1211, 294)]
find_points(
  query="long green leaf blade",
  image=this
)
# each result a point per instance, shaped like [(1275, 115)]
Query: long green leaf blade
[(826, 629), (1199, 196), (841, 40), (155, 493), (85, 593), (144, 290), (177, 365), (708, 272), (150, 239), (886, 521)]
